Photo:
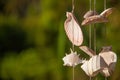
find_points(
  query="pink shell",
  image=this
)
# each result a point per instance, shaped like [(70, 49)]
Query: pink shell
[(110, 59), (94, 19), (73, 30), (107, 12), (87, 50), (90, 13)]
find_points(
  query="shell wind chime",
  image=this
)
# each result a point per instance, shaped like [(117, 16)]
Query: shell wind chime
[(105, 61)]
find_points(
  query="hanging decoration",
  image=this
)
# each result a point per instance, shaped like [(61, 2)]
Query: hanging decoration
[(93, 66), (97, 18), (110, 59), (73, 30), (89, 14), (71, 59), (105, 61)]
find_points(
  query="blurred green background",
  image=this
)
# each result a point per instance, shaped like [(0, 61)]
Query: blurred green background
[(33, 40)]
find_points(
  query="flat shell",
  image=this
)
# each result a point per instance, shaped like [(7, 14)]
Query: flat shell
[(73, 30)]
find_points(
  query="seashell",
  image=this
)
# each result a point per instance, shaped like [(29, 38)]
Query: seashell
[(90, 13), (87, 50), (110, 59), (73, 30), (106, 49), (98, 18), (105, 72), (93, 66), (71, 59), (94, 19), (107, 12)]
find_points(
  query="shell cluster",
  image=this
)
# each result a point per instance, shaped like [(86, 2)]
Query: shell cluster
[(103, 62)]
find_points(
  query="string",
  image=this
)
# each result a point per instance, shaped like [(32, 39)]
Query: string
[(73, 23), (94, 5), (73, 35), (94, 28), (73, 73), (90, 26), (90, 78), (104, 4), (73, 6), (96, 78), (94, 37), (90, 5), (90, 35), (105, 28), (105, 78)]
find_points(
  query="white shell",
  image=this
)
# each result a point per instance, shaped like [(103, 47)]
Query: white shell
[(93, 66), (107, 12), (87, 50), (71, 59), (73, 30), (105, 72), (94, 19), (90, 13), (110, 59), (97, 18)]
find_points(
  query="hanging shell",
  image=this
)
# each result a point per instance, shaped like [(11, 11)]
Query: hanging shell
[(90, 13), (110, 59), (73, 30), (94, 19), (71, 59), (98, 18), (107, 12), (93, 66), (87, 50)]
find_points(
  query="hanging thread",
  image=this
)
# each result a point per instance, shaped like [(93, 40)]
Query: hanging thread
[(94, 5), (104, 4), (94, 37), (73, 73), (73, 6), (73, 35), (73, 23), (90, 26), (90, 35), (94, 28), (90, 5), (105, 29), (105, 78), (90, 78)]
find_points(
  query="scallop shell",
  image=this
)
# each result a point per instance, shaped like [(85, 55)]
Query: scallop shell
[(107, 12), (73, 30), (90, 13), (94, 19), (97, 18), (87, 50), (93, 66), (110, 59)]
